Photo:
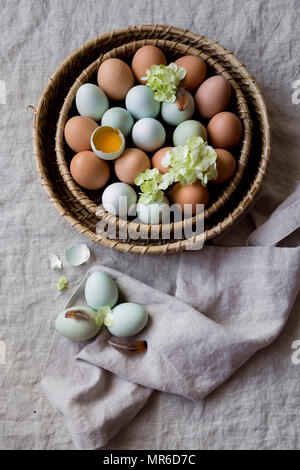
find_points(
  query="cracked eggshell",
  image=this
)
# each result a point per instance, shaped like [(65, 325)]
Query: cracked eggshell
[(77, 330), (100, 290), (55, 262), (77, 254), (104, 155), (128, 320)]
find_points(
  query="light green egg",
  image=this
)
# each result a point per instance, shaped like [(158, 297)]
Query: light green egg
[(100, 290), (128, 320), (140, 102), (173, 116), (187, 129), (120, 118), (154, 213), (77, 329), (91, 101)]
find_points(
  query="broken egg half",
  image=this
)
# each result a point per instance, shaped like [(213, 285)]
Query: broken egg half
[(107, 142)]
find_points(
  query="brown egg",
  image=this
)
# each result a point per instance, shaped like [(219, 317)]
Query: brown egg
[(78, 131), (115, 78), (130, 164), (195, 71), (225, 165), (157, 158), (224, 130), (212, 96), (144, 58), (89, 171), (192, 194)]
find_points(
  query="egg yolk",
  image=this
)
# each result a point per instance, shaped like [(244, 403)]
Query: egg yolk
[(108, 142)]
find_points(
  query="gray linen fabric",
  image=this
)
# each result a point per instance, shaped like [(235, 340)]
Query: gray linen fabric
[(246, 295), (259, 406)]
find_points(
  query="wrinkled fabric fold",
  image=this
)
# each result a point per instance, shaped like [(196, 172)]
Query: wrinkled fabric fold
[(229, 303)]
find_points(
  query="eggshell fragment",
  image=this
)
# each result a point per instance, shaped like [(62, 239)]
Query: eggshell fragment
[(130, 164), (115, 78), (225, 130), (77, 254), (78, 131), (212, 96), (191, 194), (144, 58), (157, 158), (89, 171), (195, 71), (226, 165), (128, 320), (55, 262), (100, 290)]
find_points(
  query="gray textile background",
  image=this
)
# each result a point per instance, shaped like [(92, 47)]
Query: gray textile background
[(259, 406)]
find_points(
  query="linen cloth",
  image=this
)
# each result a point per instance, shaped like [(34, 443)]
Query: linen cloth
[(259, 406), (248, 293)]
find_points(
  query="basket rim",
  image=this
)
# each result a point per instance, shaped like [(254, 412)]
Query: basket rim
[(228, 188), (170, 247)]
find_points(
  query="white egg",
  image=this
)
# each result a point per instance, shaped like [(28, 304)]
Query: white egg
[(187, 129), (100, 290), (120, 118), (154, 213), (91, 101), (118, 199), (79, 329), (148, 134), (128, 319), (140, 102), (173, 116)]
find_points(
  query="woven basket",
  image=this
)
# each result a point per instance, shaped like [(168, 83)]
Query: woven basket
[(51, 102), (91, 200)]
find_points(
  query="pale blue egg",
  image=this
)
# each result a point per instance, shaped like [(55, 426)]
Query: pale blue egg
[(120, 118), (91, 101), (128, 320), (154, 213), (77, 329), (100, 290), (173, 116), (148, 134), (140, 102), (187, 129), (119, 199)]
